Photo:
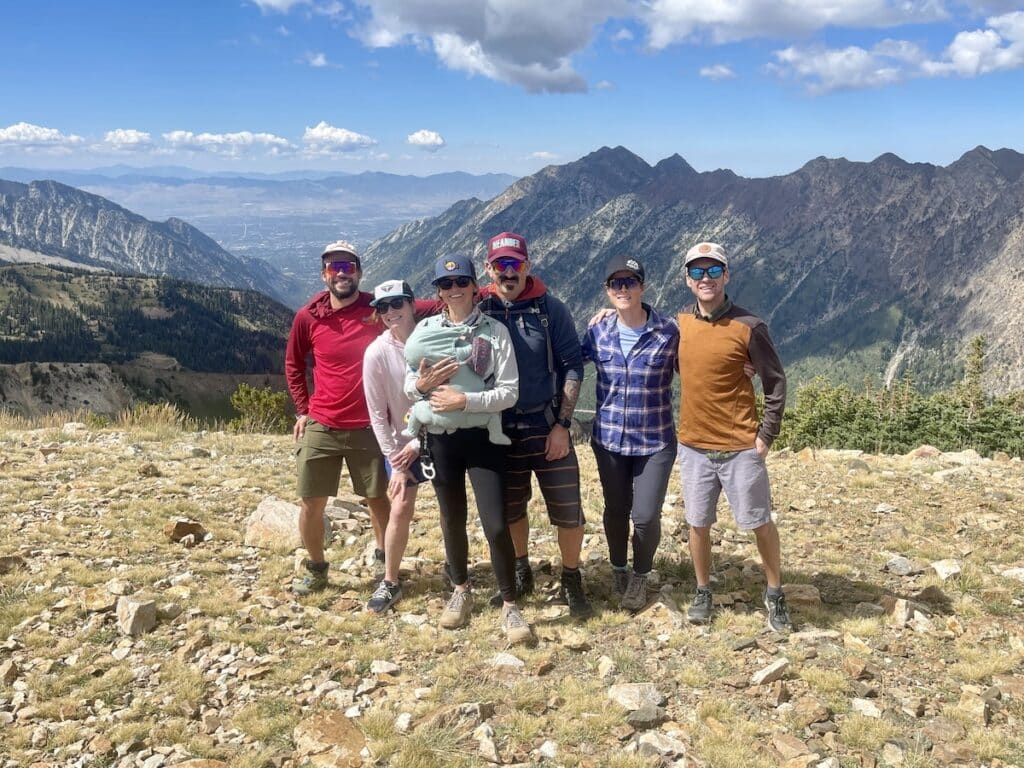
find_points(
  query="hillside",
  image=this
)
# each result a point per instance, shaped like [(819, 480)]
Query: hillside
[(883, 268), (56, 221), (904, 574), (54, 314)]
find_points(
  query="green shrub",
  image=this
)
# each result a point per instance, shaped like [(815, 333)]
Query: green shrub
[(260, 410)]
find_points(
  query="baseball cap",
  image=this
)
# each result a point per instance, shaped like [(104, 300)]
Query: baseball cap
[(506, 244), (342, 247), (707, 251), (391, 289), (454, 266), (625, 264)]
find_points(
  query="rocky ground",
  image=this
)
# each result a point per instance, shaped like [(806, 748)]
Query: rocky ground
[(130, 638)]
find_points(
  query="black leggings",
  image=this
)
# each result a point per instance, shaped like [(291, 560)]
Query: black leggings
[(454, 454), (634, 488)]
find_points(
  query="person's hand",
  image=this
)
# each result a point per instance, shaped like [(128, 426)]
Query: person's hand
[(445, 398), (600, 315), (397, 485), (749, 370), (435, 375), (300, 427), (761, 447), (404, 458), (557, 444)]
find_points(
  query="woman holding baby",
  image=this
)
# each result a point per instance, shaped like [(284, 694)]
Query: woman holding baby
[(455, 451)]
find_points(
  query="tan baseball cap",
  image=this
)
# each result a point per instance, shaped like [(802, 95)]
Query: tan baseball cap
[(707, 251)]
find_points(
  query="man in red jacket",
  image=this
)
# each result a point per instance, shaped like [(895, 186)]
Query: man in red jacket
[(333, 424)]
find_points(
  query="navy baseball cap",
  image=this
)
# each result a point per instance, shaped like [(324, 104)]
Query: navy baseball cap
[(454, 266)]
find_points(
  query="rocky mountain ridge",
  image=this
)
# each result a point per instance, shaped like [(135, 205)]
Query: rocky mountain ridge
[(52, 219), (882, 268)]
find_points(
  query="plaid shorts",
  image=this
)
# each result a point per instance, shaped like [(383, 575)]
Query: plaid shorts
[(559, 481)]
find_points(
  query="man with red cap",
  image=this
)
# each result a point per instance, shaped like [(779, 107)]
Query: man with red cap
[(546, 344)]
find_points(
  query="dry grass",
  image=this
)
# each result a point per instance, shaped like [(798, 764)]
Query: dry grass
[(98, 518)]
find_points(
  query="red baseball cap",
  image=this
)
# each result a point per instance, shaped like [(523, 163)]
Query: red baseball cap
[(507, 244)]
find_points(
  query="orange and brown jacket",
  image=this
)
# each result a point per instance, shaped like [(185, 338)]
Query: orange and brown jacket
[(717, 410)]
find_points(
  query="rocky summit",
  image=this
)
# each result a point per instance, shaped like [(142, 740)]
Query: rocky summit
[(145, 621), (881, 268)]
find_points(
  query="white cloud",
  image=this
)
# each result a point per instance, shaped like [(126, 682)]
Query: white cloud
[(326, 139), (524, 42), (542, 155), (36, 138), (622, 36), (317, 60), (674, 21), (717, 72), (230, 144), (283, 31), (604, 85), (277, 6), (430, 141), (126, 140), (972, 53)]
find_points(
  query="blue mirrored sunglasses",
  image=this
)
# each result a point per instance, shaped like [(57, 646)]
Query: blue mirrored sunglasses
[(697, 273)]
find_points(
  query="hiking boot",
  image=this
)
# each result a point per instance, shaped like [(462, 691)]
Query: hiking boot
[(514, 625), (778, 613), (699, 611), (524, 585), (384, 596), (314, 579), (572, 592), (456, 613), (620, 580), (635, 596)]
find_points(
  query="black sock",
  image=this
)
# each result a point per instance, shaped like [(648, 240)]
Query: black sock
[(570, 571), (523, 563), (315, 567)]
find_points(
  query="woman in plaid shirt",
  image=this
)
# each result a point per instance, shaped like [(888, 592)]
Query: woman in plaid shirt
[(635, 351)]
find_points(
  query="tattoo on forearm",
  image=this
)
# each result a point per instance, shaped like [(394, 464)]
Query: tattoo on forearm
[(570, 394)]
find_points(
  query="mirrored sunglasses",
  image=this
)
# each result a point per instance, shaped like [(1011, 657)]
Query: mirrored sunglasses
[(341, 267), (697, 273), (446, 283), (506, 263)]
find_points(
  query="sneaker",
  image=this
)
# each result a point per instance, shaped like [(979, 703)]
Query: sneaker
[(514, 625), (620, 580), (635, 596), (778, 613), (384, 596), (456, 613), (699, 611), (314, 580), (572, 592), (524, 585)]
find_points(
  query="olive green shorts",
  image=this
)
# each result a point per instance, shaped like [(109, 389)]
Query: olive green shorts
[(322, 452)]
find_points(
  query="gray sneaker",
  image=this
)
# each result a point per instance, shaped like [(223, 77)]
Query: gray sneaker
[(313, 580), (620, 580), (778, 613), (635, 596), (456, 613), (384, 596), (699, 611), (514, 625)]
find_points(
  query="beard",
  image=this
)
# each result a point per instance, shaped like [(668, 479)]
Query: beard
[(343, 289)]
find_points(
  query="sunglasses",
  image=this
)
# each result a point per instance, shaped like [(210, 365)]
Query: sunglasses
[(386, 305), (341, 267), (620, 283), (446, 283), (697, 273), (506, 263)]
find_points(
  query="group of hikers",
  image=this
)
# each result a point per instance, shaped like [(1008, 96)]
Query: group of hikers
[(485, 385)]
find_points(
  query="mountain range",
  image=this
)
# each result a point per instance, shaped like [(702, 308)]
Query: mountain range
[(883, 268), (50, 222)]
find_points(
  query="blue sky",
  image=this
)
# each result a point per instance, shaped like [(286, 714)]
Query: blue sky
[(422, 86)]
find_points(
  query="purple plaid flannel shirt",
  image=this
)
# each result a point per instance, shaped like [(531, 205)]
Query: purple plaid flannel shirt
[(634, 394)]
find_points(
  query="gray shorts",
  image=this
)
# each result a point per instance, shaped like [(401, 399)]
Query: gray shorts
[(743, 476)]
